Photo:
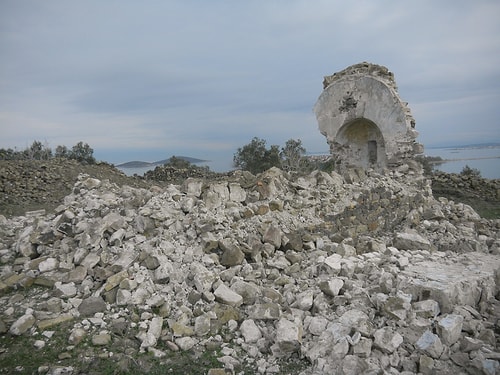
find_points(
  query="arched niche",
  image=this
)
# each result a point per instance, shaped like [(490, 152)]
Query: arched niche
[(365, 122), (362, 143)]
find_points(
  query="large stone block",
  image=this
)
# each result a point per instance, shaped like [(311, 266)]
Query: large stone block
[(264, 311), (225, 295), (250, 331), (288, 336), (387, 340), (232, 255), (22, 324), (450, 328), (91, 305), (466, 279), (411, 241), (430, 344)]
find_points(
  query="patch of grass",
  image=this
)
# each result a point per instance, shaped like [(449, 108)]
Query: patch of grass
[(19, 356), (174, 363), (486, 209), (293, 365)]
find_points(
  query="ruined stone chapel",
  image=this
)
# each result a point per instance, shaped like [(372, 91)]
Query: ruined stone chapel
[(365, 122)]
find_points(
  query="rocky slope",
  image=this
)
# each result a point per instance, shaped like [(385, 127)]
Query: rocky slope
[(42, 184), (358, 274), (481, 193)]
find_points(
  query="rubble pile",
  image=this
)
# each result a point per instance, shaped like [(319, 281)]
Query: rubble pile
[(36, 184), (358, 274), (466, 185), (172, 174)]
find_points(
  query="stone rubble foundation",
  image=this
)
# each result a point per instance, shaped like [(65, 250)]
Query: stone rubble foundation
[(355, 274)]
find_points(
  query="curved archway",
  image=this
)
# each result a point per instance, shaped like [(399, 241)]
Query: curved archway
[(363, 142)]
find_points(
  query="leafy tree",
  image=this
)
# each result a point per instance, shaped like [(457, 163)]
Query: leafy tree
[(472, 172), (255, 157), (292, 156), (62, 152), (178, 163), (38, 151), (8, 154), (82, 153)]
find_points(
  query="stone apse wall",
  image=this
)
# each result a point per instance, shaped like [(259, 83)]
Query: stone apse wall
[(365, 122)]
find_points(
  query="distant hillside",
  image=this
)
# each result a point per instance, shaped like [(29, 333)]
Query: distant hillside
[(135, 164), (144, 164), (474, 145), (480, 145)]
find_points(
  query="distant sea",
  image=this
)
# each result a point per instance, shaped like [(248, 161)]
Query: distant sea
[(222, 165), (484, 159)]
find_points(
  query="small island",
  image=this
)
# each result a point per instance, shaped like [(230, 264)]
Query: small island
[(144, 164)]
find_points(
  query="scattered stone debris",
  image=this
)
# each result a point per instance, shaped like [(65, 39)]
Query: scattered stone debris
[(29, 185), (355, 274)]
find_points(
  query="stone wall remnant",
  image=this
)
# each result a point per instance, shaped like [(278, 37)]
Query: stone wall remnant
[(365, 122)]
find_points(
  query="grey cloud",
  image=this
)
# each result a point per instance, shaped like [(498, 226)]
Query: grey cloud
[(217, 73)]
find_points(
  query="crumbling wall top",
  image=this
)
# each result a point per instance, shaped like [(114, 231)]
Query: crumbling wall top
[(363, 69)]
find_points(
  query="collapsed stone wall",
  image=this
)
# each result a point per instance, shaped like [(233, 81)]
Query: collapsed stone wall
[(261, 268), (466, 186), (27, 185), (365, 122)]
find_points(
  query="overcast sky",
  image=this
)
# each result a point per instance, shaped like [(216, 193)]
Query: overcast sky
[(144, 80)]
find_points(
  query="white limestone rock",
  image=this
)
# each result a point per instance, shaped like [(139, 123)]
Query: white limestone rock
[(123, 297), (101, 339), (288, 337), (449, 328), (411, 241), (387, 340), (426, 308), (264, 311), (185, 343), (66, 290), (48, 264), (353, 365), (248, 290), (153, 334), (192, 186), (304, 300), (39, 344), (22, 324), (236, 192), (333, 264), (316, 325), (202, 324), (353, 318), (250, 331), (232, 255), (363, 348), (163, 273), (227, 296), (345, 250), (272, 236), (202, 277), (24, 246), (76, 336), (331, 287), (430, 344)]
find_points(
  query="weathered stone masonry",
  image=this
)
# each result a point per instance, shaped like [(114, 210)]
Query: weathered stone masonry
[(364, 120)]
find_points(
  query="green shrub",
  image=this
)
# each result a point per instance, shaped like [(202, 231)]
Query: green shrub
[(83, 153), (255, 157), (472, 172)]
